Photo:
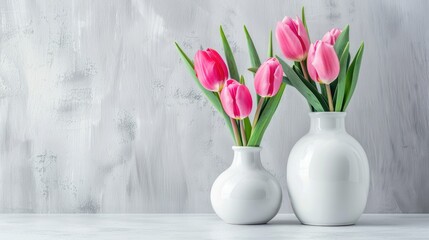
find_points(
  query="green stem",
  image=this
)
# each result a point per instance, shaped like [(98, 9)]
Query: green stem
[(328, 92), (258, 112), (243, 133), (305, 72), (236, 133)]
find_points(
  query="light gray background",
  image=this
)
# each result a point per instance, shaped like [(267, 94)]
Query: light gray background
[(98, 113)]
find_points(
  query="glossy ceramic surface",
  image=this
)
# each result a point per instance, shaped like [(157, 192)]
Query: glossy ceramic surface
[(328, 173), (246, 193)]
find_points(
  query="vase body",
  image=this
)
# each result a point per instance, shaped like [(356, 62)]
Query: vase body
[(246, 193), (328, 173)]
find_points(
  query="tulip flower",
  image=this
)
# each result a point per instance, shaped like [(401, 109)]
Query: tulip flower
[(323, 66), (268, 78), (237, 103), (211, 70), (331, 36), (322, 63), (293, 38), (236, 99)]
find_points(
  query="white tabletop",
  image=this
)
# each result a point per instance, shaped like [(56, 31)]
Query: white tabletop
[(202, 226)]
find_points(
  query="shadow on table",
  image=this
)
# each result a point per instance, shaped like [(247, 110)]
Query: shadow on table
[(360, 223), (293, 222)]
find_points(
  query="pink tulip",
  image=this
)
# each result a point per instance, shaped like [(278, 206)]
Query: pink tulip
[(293, 38), (210, 69), (236, 99), (268, 78), (331, 36), (322, 63)]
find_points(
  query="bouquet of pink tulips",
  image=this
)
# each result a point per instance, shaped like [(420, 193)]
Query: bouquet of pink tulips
[(227, 91), (322, 71)]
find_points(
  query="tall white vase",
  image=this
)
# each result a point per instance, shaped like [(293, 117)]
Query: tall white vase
[(246, 193), (328, 173)]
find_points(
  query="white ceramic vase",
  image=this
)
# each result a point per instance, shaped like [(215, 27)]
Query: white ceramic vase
[(246, 193), (328, 173)]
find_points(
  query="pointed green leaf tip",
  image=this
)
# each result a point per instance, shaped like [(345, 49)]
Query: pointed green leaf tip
[(352, 76), (232, 66), (270, 45), (304, 21), (254, 57)]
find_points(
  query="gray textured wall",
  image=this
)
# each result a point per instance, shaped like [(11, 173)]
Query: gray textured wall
[(98, 114)]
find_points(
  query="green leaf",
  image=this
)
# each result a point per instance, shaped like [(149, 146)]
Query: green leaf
[(253, 70), (348, 61), (287, 81), (297, 65), (352, 76), (334, 98), (242, 81), (334, 84), (304, 21), (298, 69), (213, 97), (339, 46), (247, 127), (270, 45), (232, 66), (265, 118), (305, 88), (254, 58), (342, 41), (341, 86)]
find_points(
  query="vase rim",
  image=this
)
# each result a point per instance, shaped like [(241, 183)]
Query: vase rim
[(327, 114), (247, 148)]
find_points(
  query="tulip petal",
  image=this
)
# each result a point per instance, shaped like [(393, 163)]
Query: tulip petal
[(262, 83), (331, 36), (210, 69), (302, 33), (278, 78), (310, 67), (227, 101), (243, 101), (236, 100), (289, 42), (223, 70), (326, 63), (201, 65), (291, 23)]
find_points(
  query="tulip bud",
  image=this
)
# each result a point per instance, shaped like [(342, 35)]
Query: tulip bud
[(293, 38), (268, 78), (236, 99), (322, 63), (211, 70), (331, 36)]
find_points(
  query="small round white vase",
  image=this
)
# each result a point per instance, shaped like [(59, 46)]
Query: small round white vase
[(328, 173), (246, 193)]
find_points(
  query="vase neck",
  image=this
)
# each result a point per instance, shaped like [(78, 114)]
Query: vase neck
[(327, 121), (247, 157)]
